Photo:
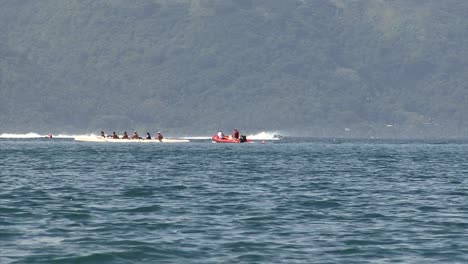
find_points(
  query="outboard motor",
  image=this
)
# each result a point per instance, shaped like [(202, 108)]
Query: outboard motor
[(242, 139)]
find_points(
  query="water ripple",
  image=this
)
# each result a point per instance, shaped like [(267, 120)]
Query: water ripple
[(308, 202)]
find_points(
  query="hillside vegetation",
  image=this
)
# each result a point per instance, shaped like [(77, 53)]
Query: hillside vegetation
[(329, 68)]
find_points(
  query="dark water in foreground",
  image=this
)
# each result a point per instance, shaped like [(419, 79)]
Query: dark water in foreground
[(290, 201)]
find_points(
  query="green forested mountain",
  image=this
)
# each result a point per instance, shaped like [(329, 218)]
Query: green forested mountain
[(339, 68)]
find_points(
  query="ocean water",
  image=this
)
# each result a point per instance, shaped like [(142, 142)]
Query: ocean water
[(285, 201)]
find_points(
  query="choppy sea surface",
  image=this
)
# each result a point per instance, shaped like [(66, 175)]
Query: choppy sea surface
[(284, 201)]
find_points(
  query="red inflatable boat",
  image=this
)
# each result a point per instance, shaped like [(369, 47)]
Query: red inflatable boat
[(229, 139)]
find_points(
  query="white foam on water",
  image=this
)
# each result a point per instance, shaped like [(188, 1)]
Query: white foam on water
[(195, 138), (265, 136), (27, 135)]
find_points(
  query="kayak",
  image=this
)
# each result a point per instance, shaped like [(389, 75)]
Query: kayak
[(113, 140), (229, 139)]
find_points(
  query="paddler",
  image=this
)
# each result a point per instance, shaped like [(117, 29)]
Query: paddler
[(125, 135), (160, 136), (114, 135), (148, 136), (135, 135), (102, 134)]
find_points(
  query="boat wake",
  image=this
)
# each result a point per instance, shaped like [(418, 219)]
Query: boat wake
[(265, 136), (33, 135)]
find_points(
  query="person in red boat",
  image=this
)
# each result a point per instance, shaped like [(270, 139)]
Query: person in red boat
[(235, 134), (220, 134)]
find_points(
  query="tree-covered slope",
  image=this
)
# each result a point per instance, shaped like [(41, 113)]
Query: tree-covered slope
[(317, 68)]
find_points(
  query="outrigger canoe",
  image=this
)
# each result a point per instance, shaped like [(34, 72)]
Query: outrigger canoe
[(113, 140), (229, 139)]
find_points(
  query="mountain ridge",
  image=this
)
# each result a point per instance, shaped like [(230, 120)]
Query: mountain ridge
[(313, 68)]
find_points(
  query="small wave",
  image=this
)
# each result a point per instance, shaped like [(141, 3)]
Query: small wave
[(145, 209)]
